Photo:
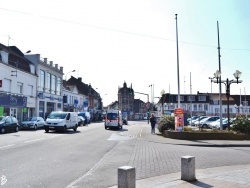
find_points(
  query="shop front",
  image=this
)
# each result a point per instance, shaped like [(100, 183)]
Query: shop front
[(13, 105)]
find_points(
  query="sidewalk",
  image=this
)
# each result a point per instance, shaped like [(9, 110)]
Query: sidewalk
[(224, 176), (228, 177)]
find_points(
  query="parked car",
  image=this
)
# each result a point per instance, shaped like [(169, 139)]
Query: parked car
[(124, 121), (81, 121), (33, 123), (205, 122), (8, 124), (86, 116), (192, 119), (197, 121)]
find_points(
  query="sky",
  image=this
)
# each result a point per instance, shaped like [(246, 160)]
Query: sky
[(109, 42)]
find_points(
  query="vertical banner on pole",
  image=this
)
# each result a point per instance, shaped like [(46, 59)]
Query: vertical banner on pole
[(179, 119)]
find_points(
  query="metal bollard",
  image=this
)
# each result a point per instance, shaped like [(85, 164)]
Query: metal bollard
[(126, 177), (188, 168)]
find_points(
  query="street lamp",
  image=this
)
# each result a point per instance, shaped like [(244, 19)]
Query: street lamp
[(211, 110), (68, 73), (227, 83), (162, 100)]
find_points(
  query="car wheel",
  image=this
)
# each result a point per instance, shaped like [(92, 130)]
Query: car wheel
[(2, 130), (35, 127), (75, 128), (16, 129), (64, 128), (46, 130)]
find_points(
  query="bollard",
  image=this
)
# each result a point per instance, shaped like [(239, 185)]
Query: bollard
[(126, 177), (188, 168)]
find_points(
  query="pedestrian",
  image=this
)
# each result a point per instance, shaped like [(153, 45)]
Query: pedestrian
[(152, 122)]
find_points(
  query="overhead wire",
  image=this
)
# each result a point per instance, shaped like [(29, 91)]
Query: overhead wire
[(121, 31)]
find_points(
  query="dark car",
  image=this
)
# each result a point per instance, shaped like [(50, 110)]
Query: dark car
[(124, 121), (8, 124)]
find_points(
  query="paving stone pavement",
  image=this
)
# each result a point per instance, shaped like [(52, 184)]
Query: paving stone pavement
[(227, 164)]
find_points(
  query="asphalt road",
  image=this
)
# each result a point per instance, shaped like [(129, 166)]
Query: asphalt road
[(91, 156)]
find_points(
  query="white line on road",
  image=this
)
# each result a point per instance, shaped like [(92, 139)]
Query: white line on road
[(72, 185), (7, 146), (34, 140)]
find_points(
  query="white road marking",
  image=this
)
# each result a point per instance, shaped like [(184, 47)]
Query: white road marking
[(34, 140), (7, 146)]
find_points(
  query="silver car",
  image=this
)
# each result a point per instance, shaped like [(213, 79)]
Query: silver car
[(33, 123)]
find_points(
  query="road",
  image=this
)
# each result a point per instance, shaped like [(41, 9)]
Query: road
[(91, 156)]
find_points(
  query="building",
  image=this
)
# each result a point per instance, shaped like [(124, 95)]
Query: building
[(126, 100), (49, 85), (18, 83), (204, 104)]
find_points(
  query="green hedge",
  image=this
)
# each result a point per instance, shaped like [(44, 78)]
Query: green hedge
[(241, 125), (166, 123)]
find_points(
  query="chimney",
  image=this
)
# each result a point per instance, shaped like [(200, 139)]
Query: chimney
[(61, 69), (79, 79), (51, 63), (56, 66), (45, 60)]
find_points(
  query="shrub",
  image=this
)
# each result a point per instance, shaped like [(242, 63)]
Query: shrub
[(241, 125), (166, 123)]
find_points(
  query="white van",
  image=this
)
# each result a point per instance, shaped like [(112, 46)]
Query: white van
[(58, 120), (113, 119)]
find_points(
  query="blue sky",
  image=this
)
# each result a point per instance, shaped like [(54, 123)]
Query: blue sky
[(112, 41)]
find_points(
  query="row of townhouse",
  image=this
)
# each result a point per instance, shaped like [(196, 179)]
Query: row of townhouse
[(33, 86), (205, 104)]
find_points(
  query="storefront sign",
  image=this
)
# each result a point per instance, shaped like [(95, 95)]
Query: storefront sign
[(13, 101)]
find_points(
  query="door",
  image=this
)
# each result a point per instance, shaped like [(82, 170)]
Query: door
[(13, 112), (9, 125)]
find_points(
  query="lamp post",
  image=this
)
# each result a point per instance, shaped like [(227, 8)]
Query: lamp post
[(162, 100), (227, 83), (211, 110), (68, 73)]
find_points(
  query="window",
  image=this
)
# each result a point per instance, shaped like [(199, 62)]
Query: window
[(191, 97), (205, 107), (6, 85), (245, 103), (195, 107), (200, 107), (30, 90), (216, 102), (202, 98), (181, 98), (58, 86), (19, 88), (48, 82), (53, 84), (42, 80)]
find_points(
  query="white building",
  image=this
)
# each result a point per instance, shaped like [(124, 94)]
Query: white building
[(49, 85)]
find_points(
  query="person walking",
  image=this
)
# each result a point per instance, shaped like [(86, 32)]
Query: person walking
[(152, 122)]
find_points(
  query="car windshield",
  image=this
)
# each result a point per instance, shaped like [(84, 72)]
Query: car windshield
[(32, 119), (57, 115), (112, 116), (3, 118)]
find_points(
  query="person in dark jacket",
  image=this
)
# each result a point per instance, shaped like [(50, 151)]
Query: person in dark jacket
[(152, 122)]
